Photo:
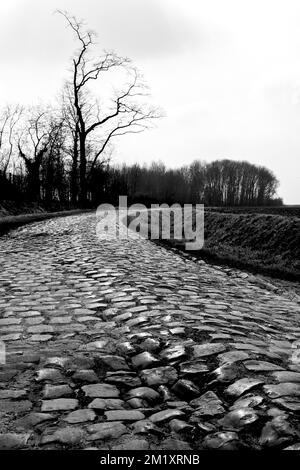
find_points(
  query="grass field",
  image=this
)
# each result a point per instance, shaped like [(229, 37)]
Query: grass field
[(268, 243), (287, 211)]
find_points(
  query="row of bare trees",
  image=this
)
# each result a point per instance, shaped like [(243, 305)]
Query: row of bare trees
[(219, 183), (59, 149)]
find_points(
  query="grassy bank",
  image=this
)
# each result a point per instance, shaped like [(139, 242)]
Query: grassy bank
[(265, 243)]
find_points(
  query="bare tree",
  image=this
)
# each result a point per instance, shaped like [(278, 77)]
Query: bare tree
[(71, 122), (34, 141), (122, 113)]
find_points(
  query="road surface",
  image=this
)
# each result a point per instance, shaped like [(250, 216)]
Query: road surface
[(123, 344)]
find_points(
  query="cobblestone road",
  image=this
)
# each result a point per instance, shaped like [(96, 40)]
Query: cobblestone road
[(127, 345)]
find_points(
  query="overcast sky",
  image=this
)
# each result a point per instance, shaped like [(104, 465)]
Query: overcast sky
[(227, 73)]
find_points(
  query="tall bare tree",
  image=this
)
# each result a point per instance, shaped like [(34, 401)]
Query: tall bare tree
[(71, 122), (120, 113)]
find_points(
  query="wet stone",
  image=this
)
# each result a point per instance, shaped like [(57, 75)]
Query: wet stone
[(293, 447), (192, 368), (59, 404), (232, 356), (68, 435), (145, 393), (95, 345), (241, 386), (51, 375), (11, 337), (114, 362), (239, 418), (287, 376), (186, 389), (10, 441), (124, 415), (165, 392), (165, 415), (126, 348), (144, 360), (277, 432), (123, 317), (57, 391), (173, 353), (222, 441), (250, 401), (80, 416), (101, 391), (12, 394), (177, 425), (226, 373), (261, 366), (159, 375), (55, 361), (110, 430), (208, 349), (40, 329), (177, 404), (145, 427), (9, 321), (275, 412), (61, 320), (123, 379), (40, 338), (177, 331), (150, 344), (85, 375), (5, 376), (289, 403), (32, 419), (106, 404), (208, 404), (282, 389), (10, 406), (34, 320), (137, 403), (32, 358), (86, 319)]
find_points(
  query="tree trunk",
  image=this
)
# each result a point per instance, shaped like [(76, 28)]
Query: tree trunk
[(82, 175), (33, 182), (74, 182), (49, 180)]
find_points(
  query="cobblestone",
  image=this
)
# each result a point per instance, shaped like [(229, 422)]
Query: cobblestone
[(123, 344)]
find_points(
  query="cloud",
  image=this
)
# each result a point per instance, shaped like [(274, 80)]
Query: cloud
[(143, 29)]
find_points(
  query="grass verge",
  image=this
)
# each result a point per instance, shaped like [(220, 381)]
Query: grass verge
[(261, 243)]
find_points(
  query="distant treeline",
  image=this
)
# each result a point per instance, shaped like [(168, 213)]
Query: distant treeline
[(219, 183)]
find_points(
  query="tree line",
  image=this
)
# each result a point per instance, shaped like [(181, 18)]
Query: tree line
[(62, 152), (218, 183)]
